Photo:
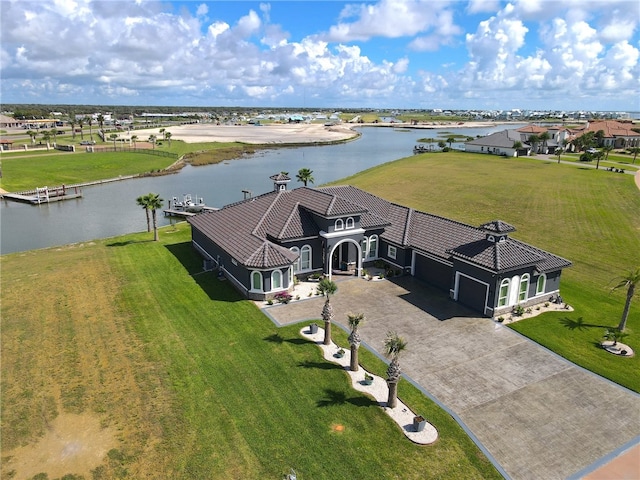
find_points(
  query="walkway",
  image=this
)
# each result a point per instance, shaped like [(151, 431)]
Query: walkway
[(538, 415)]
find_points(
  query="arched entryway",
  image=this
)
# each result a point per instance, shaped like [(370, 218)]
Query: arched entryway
[(346, 255)]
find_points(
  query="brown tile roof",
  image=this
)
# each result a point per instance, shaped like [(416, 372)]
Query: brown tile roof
[(251, 230), (613, 128)]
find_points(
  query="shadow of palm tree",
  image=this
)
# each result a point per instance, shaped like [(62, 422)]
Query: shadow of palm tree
[(579, 324), (274, 338), (335, 397), (320, 365), (127, 242)]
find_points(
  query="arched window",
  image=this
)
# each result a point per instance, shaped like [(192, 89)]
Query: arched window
[(256, 281), (339, 224), (503, 294), (541, 284), (305, 258), (296, 265), (276, 280), (524, 288), (373, 247), (350, 223), (364, 248)]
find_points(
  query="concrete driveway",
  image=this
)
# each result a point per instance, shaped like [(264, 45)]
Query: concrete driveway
[(538, 415)]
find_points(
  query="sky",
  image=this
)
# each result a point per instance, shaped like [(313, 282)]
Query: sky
[(404, 54)]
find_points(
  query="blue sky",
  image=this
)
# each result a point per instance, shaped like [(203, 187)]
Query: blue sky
[(480, 54)]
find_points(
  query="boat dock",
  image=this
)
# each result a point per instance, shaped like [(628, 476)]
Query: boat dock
[(44, 195), (171, 212)]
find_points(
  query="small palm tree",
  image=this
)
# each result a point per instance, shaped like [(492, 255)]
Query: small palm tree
[(558, 152), (598, 156), (46, 136), (393, 346), (143, 201), (544, 138), (628, 281), (327, 288), (154, 203), (113, 137), (517, 145), (635, 151), (72, 122), (54, 134), (354, 321), (33, 134), (152, 140), (167, 137), (134, 139), (81, 124), (90, 122), (450, 141), (101, 121), (305, 176), (533, 140)]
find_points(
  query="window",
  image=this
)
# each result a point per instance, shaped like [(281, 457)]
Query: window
[(256, 281), (276, 280), (350, 223), (504, 292), (524, 288), (339, 224), (373, 247), (541, 284), (392, 251), (305, 258), (296, 265), (364, 248)]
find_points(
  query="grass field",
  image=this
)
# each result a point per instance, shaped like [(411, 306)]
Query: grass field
[(28, 170), (194, 381), (589, 217)]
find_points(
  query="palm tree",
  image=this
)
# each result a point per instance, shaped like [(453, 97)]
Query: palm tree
[(393, 346), (606, 149), (134, 139), (598, 156), (544, 137), (152, 140), (450, 140), (354, 321), (154, 203), (143, 201), (113, 137), (327, 288), (54, 134), (635, 151), (305, 175), (533, 140), (558, 152), (167, 137), (517, 145), (33, 134), (46, 136), (80, 124), (101, 121), (90, 122), (628, 281), (72, 122)]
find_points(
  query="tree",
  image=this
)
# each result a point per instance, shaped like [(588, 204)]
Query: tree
[(80, 124), (154, 202), (533, 140), (544, 138), (327, 288), (598, 156), (450, 140), (167, 137), (635, 151), (354, 321), (113, 137), (305, 175), (134, 139), (606, 149), (54, 134), (72, 122), (558, 152), (46, 136), (628, 281), (152, 140), (90, 122), (517, 145), (101, 121), (393, 346), (33, 134), (143, 201)]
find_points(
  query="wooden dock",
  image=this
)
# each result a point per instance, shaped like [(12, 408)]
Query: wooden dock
[(44, 195), (170, 212)]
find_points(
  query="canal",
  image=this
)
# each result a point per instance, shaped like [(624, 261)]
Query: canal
[(110, 209)]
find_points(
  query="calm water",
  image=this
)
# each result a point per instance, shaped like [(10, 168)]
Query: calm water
[(110, 210)]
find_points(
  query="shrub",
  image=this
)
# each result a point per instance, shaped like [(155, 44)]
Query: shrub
[(283, 297), (518, 310)]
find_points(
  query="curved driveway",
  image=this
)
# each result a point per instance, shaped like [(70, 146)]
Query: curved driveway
[(538, 415)]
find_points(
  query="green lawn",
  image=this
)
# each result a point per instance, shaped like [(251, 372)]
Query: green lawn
[(589, 217), (197, 381)]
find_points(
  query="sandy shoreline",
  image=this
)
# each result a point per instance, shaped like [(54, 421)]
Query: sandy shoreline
[(284, 134)]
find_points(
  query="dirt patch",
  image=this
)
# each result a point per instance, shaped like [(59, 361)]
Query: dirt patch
[(73, 444)]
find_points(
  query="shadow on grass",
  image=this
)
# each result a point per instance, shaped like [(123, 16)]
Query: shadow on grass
[(579, 324), (128, 242), (320, 365), (335, 397), (216, 289), (277, 338)]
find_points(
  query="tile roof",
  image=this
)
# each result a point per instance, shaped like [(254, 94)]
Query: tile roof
[(250, 230), (503, 139)]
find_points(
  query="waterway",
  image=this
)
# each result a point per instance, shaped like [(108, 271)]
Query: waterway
[(109, 210)]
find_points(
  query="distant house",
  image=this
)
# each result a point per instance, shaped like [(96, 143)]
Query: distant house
[(500, 143), (10, 122), (615, 134), (262, 243)]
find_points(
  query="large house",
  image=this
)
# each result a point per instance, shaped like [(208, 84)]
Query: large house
[(262, 243), (614, 133), (520, 142)]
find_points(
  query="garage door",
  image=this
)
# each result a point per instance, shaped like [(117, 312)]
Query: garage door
[(472, 293), (433, 272)]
